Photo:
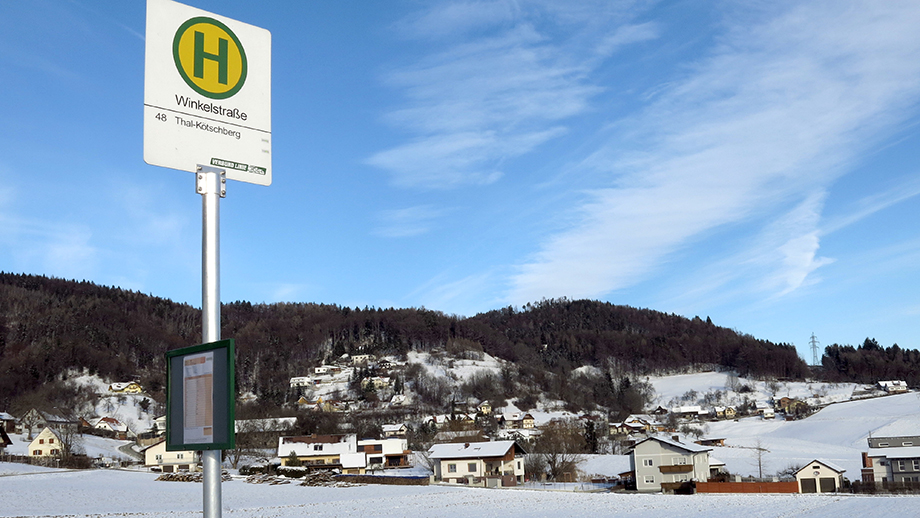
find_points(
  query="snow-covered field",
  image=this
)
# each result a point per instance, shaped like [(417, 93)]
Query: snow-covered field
[(106, 493)]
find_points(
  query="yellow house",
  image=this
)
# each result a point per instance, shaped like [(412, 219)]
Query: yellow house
[(130, 387), (46, 444)]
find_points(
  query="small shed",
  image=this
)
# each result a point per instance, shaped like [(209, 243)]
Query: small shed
[(819, 477)]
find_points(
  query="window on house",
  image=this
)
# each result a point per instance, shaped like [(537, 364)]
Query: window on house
[(900, 465), (882, 444), (55, 452), (471, 467), (41, 441), (907, 443), (159, 457), (519, 465), (647, 462), (51, 441), (680, 461), (180, 455), (317, 447), (916, 465), (36, 452), (451, 468), (649, 479)]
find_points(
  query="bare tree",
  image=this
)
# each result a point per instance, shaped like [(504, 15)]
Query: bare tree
[(561, 445)]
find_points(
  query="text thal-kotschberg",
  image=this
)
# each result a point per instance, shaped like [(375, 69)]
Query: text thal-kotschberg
[(216, 109)]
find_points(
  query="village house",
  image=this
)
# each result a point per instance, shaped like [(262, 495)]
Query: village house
[(46, 444), (398, 431), (485, 408), (516, 421), (36, 419), (385, 453), (344, 451), (486, 464), (129, 387), (9, 423), (157, 458), (659, 460), (113, 427), (892, 459), (893, 386), (376, 382), (624, 428), (819, 477), (301, 381), (361, 359), (333, 451), (725, 412)]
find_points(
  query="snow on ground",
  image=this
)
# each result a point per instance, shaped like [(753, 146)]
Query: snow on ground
[(671, 388), (836, 433), (109, 493), (127, 408)]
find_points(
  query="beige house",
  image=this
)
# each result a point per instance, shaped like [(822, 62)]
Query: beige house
[(333, 451), (46, 444), (156, 456), (819, 477), (661, 460), (486, 464)]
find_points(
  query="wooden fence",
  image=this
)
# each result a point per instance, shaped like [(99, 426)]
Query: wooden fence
[(747, 487)]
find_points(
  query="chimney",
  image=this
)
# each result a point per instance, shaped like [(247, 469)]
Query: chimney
[(676, 438), (467, 445)]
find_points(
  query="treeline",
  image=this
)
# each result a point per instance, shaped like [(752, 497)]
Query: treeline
[(870, 363), (49, 326)]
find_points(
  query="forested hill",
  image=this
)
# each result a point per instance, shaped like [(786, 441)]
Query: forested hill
[(48, 326)]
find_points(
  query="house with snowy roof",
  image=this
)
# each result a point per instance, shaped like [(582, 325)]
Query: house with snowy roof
[(661, 460), (893, 386), (8, 423), (892, 459), (113, 427), (127, 387), (486, 464)]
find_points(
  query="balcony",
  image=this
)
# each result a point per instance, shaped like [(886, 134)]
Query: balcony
[(682, 468)]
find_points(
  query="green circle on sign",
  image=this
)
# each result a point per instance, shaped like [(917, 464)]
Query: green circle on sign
[(210, 58)]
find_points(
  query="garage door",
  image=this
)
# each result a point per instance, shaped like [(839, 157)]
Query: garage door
[(809, 485), (828, 485)]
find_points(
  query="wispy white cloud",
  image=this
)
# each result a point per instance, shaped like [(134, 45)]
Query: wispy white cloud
[(780, 109), (408, 222), (464, 296), (498, 94)]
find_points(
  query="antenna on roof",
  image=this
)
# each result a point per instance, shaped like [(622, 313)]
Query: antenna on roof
[(814, 349)]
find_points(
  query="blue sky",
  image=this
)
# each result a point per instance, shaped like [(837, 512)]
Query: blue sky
[(754, 162)]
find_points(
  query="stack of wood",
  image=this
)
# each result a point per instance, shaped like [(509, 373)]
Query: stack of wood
[(185, 476), (271, 480), (319, 478)]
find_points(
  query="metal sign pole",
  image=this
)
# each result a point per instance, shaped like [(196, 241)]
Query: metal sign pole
[(211, 184)]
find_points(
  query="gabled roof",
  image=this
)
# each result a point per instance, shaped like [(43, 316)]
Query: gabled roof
[(7, 417), (474, 450), (687, 446), (834, 467)]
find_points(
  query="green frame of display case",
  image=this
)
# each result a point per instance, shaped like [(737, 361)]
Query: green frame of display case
[(223, 405)]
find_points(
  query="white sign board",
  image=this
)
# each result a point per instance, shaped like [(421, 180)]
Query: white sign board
[(207, 93)]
